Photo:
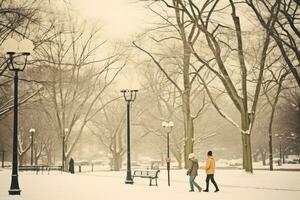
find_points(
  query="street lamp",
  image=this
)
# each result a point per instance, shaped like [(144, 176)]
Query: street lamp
[(168, 126), (17, 53), (31, 131), (66, 130), (129, 96)]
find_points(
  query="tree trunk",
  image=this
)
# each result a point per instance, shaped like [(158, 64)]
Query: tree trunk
[(249, 166), (180, 162), (273, 107), (247, 155), (66, 165), (255, 157), (270, 137), (49, 157), (21, 159), (117, 161), (283, 156), (186, 93), (178, 156), (189, 135), (186, 105), (36, 158), (264, 159), (263, 156)]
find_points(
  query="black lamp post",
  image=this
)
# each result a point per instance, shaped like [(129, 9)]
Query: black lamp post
[(168, 126), (129, 96), (66, 130), (17, 53), (31, 131)]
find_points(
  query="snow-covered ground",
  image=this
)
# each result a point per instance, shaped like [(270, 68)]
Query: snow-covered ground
[(234, 164), (234, 185), (276, 166)]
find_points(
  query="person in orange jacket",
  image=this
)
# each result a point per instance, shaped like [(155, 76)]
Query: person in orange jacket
[(210, 171)]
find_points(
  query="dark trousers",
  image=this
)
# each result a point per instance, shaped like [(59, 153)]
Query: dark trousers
[(211, 177)]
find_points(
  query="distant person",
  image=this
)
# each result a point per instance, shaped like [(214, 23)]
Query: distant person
[(71, 166), (193, 172), (210, 171)]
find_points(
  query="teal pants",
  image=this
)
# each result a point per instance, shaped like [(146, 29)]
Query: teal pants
[(193, 183)]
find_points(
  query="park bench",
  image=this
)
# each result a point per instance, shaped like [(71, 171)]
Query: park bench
[(151, 174), (29, 168), (53, 168), (41, 168)]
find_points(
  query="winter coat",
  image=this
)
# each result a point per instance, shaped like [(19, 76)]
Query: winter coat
[(71, 166), (210, 165), (193, 171)]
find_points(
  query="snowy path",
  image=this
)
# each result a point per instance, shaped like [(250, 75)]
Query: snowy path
[(234, 185)]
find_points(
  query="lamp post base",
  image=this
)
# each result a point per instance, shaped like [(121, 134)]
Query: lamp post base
[(129, 182), (14, 186), (14, 192)]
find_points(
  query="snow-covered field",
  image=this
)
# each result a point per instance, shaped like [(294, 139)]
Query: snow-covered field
[(234, 185)]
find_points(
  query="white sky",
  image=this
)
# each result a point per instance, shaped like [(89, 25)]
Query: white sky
[(120, 18)]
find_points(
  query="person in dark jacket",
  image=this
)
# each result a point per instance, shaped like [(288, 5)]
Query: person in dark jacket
[(71, 166), (193, 172), (210, 168)]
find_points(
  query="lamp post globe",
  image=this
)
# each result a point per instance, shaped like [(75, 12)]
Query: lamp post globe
[(16, 50), (164, 124), (25, 46), (292, 134), (32, 130), (10, 46)]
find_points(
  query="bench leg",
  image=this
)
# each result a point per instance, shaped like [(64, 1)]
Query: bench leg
[(156, 181), (150, 182)]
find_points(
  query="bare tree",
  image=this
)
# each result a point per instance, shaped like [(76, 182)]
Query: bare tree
[(275, 83), (177, 34), (76, 80), (288, 119), (285, 32), (219, 45), (23, 145), (165, 104), (110, 132)]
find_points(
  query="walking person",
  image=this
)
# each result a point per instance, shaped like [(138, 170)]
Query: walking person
[(210, 171), (193, 172), (71, 166)]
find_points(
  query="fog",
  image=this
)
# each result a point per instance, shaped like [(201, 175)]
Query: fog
[(230, 91)]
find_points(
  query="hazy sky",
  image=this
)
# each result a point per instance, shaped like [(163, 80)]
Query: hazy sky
[(121, 18)]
